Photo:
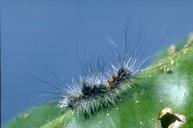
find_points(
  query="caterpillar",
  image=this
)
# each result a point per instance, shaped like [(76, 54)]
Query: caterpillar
[(101, 84), (97, 90)]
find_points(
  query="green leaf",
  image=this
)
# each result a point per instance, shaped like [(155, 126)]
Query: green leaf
[(165, 85), (41, 116)]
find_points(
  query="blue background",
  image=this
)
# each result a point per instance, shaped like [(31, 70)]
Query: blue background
[(58, 35)]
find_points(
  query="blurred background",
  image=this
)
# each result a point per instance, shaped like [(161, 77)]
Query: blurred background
[(37, 35)]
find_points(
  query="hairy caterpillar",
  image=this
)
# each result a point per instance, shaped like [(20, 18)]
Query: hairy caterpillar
[(101, 83)]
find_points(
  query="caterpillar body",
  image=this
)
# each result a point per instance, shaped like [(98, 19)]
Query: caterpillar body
[(101, 84)]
